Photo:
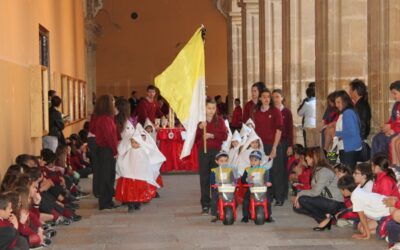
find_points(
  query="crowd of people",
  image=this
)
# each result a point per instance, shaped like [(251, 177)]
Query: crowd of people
[(335, 176)]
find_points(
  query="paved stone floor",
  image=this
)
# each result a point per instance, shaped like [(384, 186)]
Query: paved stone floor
[(174, 222)]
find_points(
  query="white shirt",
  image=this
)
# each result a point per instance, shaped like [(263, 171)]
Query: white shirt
[(369, 203), (309, 112), (368, 186)]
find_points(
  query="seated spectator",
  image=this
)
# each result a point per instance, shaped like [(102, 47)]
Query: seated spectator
[(25, 160), (329, 119), (369, 206), (10, 238), (345, 217), (385, 181), (363, 176), (300, 173), (342, 170), (78, 163), (324, 197), (381, 141)]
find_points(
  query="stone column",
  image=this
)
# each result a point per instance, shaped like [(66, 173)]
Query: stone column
[(90, 64), (92, 30), (271, 42), (340, 46), (235, 71), (299, 52), (250, 45), (383, 56)]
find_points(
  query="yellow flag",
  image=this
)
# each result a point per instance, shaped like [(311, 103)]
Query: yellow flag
[(182, 84)]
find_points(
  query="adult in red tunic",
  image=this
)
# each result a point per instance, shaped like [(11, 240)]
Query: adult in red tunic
[(248, 108), (287, 130), (237, 119), (148, 107), (216, 134), (106, 152), (269, 122)]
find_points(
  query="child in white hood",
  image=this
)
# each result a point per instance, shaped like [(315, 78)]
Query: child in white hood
[(234, 149), (253, 143), (150, 129)]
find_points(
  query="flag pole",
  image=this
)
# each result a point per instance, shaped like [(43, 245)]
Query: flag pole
[(203, 36)]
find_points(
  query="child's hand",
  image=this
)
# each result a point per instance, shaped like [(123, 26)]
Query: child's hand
[(209, 136), (390, 201), (13, 221), (37, 198), (268, 184), (23, 216), (202, 125)]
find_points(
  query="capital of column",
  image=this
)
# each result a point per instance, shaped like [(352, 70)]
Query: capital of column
[(223, 6)]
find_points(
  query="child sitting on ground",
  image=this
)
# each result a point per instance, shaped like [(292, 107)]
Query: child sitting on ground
[(223, 174), (369, 206), (10, 238), (248, 177), (345, 217), (300, 173)]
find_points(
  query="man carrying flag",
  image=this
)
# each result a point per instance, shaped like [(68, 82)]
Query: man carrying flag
[(182, 84)]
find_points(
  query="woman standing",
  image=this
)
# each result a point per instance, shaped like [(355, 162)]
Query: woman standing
[(287, 132), (248, 108), (56, 126), (308, 111), (269, 122), (350, 130), (215, 135), (106, 152), (324, 197)]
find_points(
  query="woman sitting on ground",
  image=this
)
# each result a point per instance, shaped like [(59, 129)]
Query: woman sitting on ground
[(324, 199)]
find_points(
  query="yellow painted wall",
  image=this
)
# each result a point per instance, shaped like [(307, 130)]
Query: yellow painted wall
[(19, 53), (130, 57)]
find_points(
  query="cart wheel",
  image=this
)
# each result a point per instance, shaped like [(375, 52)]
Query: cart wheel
[(260, 216), (228, 219)]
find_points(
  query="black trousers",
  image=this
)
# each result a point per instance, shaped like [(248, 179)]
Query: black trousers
[(206, 163), (349, 158), (106, 176), (278, 173), (285, 145), (56, 191), (317, 207), (214, 201), (246, 204), (84, 172), (93, 160)]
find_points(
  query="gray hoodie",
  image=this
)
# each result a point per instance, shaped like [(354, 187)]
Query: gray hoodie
[(323, 177)]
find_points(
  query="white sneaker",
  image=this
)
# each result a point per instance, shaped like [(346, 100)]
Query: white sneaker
[(344, 223)]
